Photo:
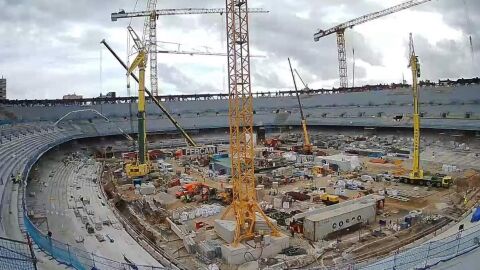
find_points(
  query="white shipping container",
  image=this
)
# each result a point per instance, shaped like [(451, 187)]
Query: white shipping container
[(317, 227)]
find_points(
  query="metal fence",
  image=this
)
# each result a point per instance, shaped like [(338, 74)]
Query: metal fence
[(432, 252), (16, 255), (73, 256), (64, 253)]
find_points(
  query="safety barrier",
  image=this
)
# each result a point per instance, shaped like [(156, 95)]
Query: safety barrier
[(73, 256), (62, 252), (432, 252), (16, 255)]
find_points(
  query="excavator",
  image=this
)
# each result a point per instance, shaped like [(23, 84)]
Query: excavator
[(307, 146), (416, 175)]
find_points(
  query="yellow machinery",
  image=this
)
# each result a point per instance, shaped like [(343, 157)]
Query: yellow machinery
[(329, 199), (140, 168), (417, 172), (242, 152), (307, 146), (416, 175)]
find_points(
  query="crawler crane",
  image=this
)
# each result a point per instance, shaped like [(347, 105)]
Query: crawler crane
[(141, 168), (307, 146)]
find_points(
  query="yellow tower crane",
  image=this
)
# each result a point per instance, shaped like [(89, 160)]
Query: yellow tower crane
[(416, 172), (242, 152)]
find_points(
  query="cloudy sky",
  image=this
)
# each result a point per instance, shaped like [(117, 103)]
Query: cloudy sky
[(49, 48)]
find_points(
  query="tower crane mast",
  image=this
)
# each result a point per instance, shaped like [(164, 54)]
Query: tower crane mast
[(242, 153), (150, 31), (340, 31)]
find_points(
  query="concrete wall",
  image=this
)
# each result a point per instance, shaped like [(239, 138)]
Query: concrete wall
[(375, 108)]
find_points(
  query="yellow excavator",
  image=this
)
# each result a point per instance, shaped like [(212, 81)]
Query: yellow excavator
[(307, 146)]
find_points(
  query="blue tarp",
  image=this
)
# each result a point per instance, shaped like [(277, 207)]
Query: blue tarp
[(476, 215)]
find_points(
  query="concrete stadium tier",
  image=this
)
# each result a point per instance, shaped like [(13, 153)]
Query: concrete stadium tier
[(455, 107)]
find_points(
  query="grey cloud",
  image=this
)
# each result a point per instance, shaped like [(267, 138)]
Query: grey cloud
[(445, 59), (183, 83), (35, 40)]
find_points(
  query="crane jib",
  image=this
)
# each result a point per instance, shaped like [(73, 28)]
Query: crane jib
[(368, 17)]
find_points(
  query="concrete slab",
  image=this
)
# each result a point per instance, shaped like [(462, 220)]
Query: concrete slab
[(225, 229), (250, 252), (249, 266)]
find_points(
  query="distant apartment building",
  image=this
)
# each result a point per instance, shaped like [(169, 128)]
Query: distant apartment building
[(108, 95), (72, 96), (3, 88)]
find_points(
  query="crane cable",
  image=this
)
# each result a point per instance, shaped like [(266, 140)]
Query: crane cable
[(134, 9), (469, 33)]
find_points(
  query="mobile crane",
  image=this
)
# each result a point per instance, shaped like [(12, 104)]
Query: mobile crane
[(416, 175), (417, 172), (187, 137), (307, 146), (140, 168)]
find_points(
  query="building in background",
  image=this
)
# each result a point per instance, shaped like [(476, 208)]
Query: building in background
[(108, 95), (3, 88), (72, 96)]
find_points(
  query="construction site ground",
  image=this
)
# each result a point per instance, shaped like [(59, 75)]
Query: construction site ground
[(359, 243)]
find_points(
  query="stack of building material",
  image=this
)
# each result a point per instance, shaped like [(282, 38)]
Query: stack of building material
[(225, 229), (344, 162), (217, 246), (290, 156), (189, 244), (261, 224), (207, 250), (147, 189), (277, 203), (449, 168)]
